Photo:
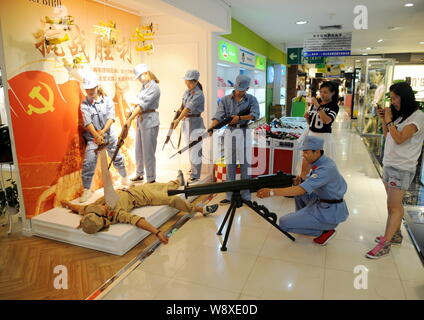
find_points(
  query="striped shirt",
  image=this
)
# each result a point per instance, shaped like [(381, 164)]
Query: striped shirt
[(316, 124)]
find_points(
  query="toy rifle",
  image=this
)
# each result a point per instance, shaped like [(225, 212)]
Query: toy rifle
[(171, 127), (219, 125), (121, 139)]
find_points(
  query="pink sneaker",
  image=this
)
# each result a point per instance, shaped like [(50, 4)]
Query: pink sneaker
[(382, 249)]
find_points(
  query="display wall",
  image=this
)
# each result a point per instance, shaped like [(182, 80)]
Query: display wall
[(44, 90), (45, 95)]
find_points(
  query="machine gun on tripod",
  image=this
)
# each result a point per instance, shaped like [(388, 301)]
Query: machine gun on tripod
[(279, 180)]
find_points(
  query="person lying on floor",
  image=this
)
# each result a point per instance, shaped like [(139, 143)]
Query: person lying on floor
[(319, 199), (98, 216)]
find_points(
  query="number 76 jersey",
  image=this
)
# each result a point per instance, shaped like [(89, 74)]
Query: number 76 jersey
[(316, 124)]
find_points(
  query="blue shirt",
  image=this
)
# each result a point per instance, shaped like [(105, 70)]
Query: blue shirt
[(194, 100), (97, 114), (228, 106), (325, 180)]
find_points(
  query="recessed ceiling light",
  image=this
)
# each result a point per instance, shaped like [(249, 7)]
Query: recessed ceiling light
[(301, 22), (357, 60), (368, 48), (365, 54), (421, 42), (409, 4), (380, 40)]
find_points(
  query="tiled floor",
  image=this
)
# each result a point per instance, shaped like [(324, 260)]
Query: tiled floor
[(261, 263)]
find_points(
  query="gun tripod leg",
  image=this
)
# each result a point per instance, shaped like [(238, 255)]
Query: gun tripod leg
[(227, 232), (225, 218), (254, 207)]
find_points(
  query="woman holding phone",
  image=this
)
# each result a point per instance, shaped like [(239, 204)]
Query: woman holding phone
[(403, 128)]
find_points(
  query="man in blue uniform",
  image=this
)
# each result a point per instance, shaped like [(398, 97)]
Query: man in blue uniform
[(319, 199), (238, 144)]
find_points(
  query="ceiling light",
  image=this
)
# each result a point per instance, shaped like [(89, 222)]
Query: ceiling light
[(368, 48), (357, 60), (409, 4), (421, 42), (380, 40), (365, 54), (301, 22)]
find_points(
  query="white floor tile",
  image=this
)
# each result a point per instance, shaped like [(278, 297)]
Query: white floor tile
[(183, 290), (223, 270), (345, 255), (303, 250), (340, 285), (138, 285), (408, 263), (276, 279), (414, 289)]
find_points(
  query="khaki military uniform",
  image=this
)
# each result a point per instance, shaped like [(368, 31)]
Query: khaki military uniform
[(154, 194)]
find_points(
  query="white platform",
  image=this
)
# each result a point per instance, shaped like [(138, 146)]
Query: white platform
[(61, 225)]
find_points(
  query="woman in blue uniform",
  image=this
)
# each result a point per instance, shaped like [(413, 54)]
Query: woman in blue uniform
[(98, 112), (147, 123), (193, 126)]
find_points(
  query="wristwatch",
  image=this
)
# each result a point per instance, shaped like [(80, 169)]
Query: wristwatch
[(271, 193)]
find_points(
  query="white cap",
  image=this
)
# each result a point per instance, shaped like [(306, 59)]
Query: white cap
[(192, 75), (90, 81), (140, 69)]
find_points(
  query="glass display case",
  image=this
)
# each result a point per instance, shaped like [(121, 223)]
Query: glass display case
[(377, 81)]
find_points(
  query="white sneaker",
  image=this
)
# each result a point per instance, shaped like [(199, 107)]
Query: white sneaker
[(86, 195), (125, 181)]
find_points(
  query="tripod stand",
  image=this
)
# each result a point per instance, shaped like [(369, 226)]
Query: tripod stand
[(237, 202)]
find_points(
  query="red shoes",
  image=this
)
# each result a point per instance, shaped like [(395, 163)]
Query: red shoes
[(325, 237)]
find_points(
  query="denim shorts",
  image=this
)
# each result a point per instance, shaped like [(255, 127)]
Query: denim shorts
[(399, 179)]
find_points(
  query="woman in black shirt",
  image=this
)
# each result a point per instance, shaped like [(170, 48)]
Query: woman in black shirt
[(320, 117), (322, 113)]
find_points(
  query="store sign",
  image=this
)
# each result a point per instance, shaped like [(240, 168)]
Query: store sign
[(227, 52), (247, 58), (327, 44), (416, 73), (260, 63), (314, 60)]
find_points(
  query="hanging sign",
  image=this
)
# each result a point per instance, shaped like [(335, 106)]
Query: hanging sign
[(327, 44), (227, 52), (247, 58), (260, 63)]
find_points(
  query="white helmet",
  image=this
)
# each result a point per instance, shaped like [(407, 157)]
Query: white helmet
[(90, 81), (140, 69)]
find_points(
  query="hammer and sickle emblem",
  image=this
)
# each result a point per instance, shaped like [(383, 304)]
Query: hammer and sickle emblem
[(35, 94)]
